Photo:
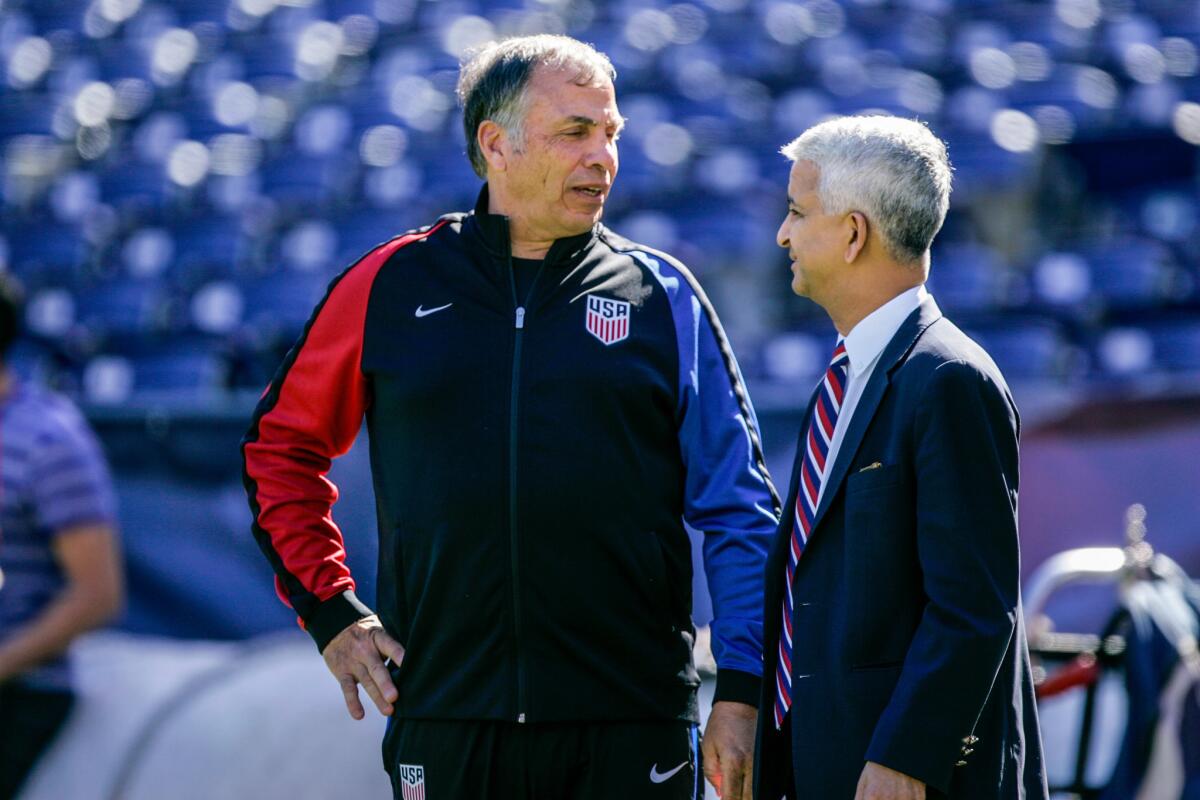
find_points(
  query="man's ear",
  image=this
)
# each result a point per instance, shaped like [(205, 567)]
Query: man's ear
[(857, 230), (493, 144)]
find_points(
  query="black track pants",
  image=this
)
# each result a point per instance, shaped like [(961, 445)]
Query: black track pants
[(484, 760), (29, 720)]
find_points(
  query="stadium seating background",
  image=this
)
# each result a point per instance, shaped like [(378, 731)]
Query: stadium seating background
[(181, 180)]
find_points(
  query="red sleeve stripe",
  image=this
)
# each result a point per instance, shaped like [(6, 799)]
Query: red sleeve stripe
[(310, 414)]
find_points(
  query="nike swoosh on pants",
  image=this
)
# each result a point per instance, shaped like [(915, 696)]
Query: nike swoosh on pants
[(659, 777)]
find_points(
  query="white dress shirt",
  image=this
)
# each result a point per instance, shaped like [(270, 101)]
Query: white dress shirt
[(864, 344)]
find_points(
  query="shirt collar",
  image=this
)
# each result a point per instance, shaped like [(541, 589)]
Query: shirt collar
[(867, 339), (493, 228)]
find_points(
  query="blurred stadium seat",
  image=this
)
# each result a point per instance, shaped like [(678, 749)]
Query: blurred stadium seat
[(180, 181), (43, 250), (210, 164), (1177, 345), (126, 307), (1131, 273), (208, 245), (1031, 350), (970, 278), (283, 300)]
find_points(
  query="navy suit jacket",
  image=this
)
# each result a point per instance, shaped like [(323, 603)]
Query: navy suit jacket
[(909, 649)]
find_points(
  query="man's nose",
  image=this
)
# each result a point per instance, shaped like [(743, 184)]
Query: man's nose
[(781, 237), (605, 157)]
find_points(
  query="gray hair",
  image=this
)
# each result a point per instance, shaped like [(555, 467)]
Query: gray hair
[(493, 80), (893, 170)]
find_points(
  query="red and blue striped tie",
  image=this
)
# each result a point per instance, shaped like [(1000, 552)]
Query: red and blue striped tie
[(817, 439)]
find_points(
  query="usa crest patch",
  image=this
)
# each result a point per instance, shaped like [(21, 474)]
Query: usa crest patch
[(412, 781), (607, 320)]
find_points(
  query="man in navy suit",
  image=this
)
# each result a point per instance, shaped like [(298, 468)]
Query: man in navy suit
[(895, 660)]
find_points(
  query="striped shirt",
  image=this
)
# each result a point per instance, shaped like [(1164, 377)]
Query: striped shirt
[(53, 477)]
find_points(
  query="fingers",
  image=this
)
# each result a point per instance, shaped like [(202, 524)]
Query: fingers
[(729, 749), (350, 692), (712, 765), (388, 646), (355, 656), (378, 684), (734, 777), (378, 673), (377, 670), (364, 676)]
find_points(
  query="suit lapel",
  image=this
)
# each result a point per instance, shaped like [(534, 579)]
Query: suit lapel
[(893, 355)]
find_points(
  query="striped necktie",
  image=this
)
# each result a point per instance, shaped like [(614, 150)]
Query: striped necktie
[(817, 439)]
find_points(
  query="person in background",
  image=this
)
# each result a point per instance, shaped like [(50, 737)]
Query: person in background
[(59, 555), (547, 404), (897, 661)]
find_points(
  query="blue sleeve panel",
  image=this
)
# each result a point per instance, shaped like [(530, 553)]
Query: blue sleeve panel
[(729, 495)]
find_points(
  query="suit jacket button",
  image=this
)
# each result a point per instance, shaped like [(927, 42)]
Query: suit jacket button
[(966, 751), (970, 739), (960, 763)]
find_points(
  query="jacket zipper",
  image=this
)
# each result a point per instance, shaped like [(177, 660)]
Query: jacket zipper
[(514, 409)]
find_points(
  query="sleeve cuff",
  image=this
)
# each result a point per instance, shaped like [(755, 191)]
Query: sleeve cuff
[(738, 687), (334, 615)]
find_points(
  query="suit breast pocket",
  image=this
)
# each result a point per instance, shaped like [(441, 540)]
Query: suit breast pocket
[(882, 570)]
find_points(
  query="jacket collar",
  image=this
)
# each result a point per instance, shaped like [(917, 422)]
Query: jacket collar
[(493, 230), (867, 340)]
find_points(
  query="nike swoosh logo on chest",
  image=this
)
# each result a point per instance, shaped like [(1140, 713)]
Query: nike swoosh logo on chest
[(425, 312)]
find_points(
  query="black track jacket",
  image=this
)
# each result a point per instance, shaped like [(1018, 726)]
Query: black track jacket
[(534, 460)]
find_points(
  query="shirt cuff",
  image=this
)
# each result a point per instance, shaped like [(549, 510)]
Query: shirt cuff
[(738, 687), (334, 615)]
